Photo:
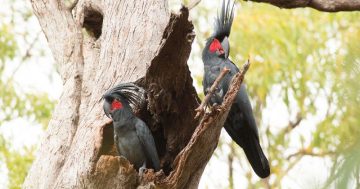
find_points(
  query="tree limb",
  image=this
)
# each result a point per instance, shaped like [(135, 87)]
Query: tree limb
[(292, 124), (26, 56), (189, 161), (321, 5), (200, 110), (310, 152)]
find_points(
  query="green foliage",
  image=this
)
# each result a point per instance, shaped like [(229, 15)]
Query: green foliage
[(17, 162), (346, 167), (16, 103), (7, 44)]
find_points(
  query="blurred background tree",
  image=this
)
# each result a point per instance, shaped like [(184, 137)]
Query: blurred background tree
[(24, 109), (303, 84)]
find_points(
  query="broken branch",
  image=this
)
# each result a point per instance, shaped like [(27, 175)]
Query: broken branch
[(200, 110), (191, 161)]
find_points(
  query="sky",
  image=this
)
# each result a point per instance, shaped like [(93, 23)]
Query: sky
[(38, 74)]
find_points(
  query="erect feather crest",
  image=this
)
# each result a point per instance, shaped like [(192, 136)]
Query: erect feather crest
[(131, 93), (224, 21)]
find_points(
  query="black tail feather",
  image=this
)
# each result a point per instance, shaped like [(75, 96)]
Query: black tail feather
[(256, 156), (251, 146)]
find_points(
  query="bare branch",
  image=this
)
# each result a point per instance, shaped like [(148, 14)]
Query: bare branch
[(26, 55), (298, 120), (293, 124), (321, 5), (231, 156), (200, 110), (310, 152)]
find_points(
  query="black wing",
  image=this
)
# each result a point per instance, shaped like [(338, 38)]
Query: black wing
[(148, 143), (241, 126), (243, 103), (210, 76)]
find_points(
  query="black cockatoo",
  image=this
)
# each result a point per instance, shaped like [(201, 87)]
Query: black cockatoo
[(132, 137), (240, 123)]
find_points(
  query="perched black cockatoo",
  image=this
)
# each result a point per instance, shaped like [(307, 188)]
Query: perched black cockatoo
[(240, 123), (132, 137)]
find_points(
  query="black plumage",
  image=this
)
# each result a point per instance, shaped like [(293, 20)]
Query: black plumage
[(133, 139), (240, 123)]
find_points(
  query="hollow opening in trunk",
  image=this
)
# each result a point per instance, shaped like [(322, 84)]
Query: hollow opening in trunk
[(93, 22), (107, 146)]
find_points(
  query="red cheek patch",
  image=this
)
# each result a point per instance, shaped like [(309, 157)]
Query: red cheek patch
[(215, 45), (115, 105)]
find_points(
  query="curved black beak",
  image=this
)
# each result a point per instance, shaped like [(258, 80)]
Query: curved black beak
[(106, 108)]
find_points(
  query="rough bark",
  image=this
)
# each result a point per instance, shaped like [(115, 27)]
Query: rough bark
[(127, 43), (136, 41), (321, 5)]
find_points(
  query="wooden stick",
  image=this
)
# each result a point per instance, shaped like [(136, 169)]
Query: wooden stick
[(200, 110)]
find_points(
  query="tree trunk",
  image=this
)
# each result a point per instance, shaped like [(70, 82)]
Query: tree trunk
[(97, 44)]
